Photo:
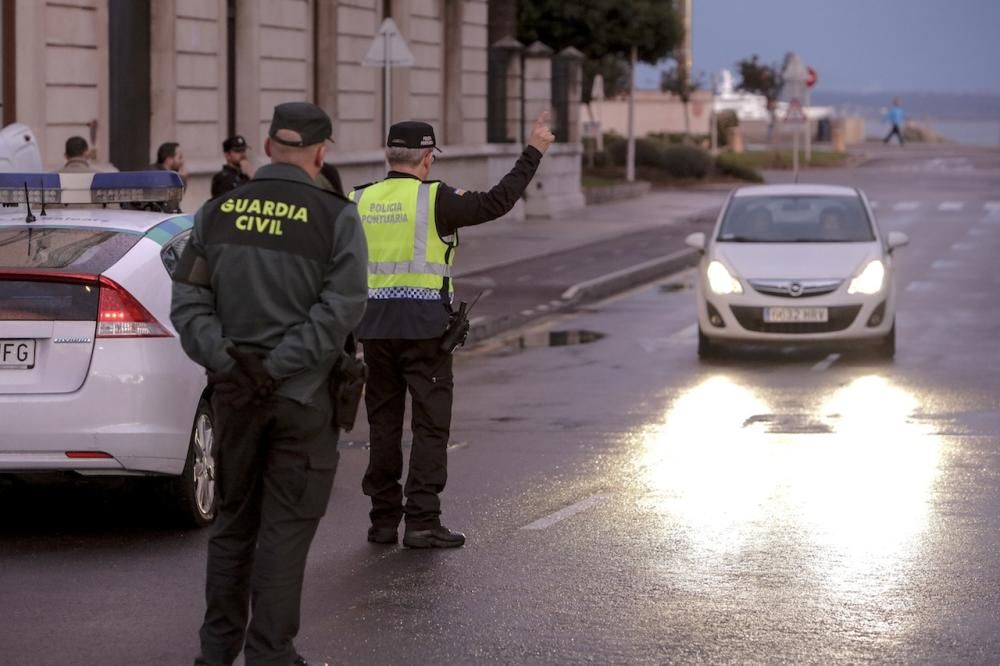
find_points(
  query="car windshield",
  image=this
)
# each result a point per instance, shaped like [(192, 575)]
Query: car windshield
[(796, 219), (73, 250)]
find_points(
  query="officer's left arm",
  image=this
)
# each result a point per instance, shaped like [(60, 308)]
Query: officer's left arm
[(192, 307), (342, 301)]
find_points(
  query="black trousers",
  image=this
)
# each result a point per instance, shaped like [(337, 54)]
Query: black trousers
[(895, 130), (395, 367), (275, 466)]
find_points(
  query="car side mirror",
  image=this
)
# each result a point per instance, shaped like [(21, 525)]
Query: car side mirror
[(696, 241), (896, 239)]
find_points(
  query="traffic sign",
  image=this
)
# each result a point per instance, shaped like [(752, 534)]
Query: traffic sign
[(795, 112), (811, 77), (388, 48)]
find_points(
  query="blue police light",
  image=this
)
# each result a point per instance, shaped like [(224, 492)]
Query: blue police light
[(91, 188)]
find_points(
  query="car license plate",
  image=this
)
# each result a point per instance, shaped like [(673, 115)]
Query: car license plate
[(796, 315), (17, 354)]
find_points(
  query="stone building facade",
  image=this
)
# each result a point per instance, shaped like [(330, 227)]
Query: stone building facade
[(131, 74)]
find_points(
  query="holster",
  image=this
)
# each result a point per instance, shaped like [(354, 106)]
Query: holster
[(347, 385)]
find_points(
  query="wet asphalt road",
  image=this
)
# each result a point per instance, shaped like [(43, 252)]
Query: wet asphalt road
[(626, 503)]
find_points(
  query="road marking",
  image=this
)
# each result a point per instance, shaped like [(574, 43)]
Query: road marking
[(686, 333), (920, 285), (524, 278), (544, 307), (976, 231), (560, 267), (992, 207), (826, 363), (564, 513), (906, 206), (946, 264), (963, 247), (951, 206), (527, 313)]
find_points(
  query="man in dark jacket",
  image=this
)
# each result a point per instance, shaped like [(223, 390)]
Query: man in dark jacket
[(236, 169), (265, 294)]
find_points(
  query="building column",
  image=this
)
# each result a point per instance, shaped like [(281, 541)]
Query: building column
[(248, 112), (163, 72), (537, 80), (31, 74), (454, 116)]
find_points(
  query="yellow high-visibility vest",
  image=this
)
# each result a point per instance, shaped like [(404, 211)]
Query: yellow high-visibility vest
[(406, 256)]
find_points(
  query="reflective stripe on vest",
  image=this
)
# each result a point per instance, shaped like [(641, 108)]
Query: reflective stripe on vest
[(403, 244)]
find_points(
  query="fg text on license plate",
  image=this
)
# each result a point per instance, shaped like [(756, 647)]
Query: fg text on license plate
[(796, 315), (17, 354)]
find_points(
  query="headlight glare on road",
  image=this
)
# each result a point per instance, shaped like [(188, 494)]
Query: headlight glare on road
[(870, 280), (720, 281)]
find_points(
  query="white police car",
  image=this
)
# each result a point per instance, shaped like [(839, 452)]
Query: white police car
[(793, 264), (93, 380)]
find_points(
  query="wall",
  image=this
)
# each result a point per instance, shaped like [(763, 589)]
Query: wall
[(654, 112)]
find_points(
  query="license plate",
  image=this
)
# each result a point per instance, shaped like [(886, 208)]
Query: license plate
[(17, 354), (796, 315)]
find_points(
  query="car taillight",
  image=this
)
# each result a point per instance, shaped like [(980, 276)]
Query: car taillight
[(121, 316)]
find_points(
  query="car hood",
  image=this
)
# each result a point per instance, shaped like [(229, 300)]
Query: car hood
[(796, 260)]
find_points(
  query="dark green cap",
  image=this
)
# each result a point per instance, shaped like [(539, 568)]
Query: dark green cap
[(310, 121)]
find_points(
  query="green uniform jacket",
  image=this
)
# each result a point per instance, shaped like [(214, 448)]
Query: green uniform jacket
[(276, 265)]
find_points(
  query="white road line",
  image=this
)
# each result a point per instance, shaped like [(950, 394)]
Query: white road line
[(951, 206), (523, 278), (826, 363), (992, 207), (963, 247), (976, 231), (920, 285), (906, 206), (527, 313), (686, 333), (946, 264), (560, 267), (564, 513)]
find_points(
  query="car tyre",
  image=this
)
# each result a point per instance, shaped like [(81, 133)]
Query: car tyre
[(887, 346), (706, 348), (194, 493)]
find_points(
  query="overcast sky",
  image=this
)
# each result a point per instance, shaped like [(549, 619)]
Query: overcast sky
[(856, 45)]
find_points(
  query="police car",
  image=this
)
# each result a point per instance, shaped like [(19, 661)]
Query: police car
[(793, 264), (93, 380)]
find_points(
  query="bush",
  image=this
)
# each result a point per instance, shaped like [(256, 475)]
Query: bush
[(729, 166), (685, 162), (647, 152)]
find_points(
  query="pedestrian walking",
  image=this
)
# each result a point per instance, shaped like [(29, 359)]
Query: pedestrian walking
[(411, 224), (77, 153), (236, 170), (266, 292), (897, 118)]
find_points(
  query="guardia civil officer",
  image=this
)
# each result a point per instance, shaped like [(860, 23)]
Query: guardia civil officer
[(236, 169), (266, 291), (411, 224)]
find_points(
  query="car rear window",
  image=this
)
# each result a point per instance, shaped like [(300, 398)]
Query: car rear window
[(27, 300), (796, 219), (71, 250)]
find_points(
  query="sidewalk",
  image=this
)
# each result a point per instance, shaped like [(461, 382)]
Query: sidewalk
[(503, 242)]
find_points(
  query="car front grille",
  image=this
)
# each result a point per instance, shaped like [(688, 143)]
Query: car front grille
[(839, 318), (795, 288)]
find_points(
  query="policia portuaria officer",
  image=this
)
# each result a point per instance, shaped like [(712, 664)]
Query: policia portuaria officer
[(411, 224), (265, 294)]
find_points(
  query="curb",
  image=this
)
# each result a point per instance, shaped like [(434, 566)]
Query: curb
[(595, 289)]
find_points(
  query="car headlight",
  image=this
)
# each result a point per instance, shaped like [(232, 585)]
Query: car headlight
[(721, 282), (870, 280)]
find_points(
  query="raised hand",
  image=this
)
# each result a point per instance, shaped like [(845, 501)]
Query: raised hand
[(541, 136)]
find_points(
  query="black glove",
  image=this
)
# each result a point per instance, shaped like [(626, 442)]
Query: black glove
[(248, 382)]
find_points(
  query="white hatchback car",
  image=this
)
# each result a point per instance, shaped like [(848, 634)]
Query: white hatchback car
[(93, 380), (794, 264)]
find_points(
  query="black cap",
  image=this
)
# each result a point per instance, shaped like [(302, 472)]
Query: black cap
[(411, 134), (234, 144), (310, 121)]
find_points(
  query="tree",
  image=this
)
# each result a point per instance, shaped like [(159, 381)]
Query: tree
[(673, 81), (761, 79), (603, 30), (641, 30)]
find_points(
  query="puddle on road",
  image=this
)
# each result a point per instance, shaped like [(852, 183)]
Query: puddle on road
[(555, 339)]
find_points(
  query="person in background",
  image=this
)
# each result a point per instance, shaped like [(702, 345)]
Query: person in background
[(236, 170), (76, 155), (897, 118), (170, 157)]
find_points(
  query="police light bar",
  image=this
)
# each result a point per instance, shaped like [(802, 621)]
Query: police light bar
[(91, 188)]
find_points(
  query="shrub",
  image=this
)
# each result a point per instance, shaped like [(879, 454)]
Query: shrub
[(685, 162), (730, 166), (647, 152)]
